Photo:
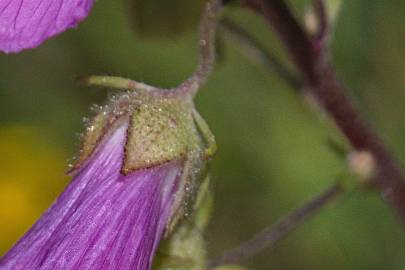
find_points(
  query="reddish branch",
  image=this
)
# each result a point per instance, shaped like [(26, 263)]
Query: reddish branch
[(269, 236), (311, 60)]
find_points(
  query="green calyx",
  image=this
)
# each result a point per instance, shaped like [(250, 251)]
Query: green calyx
[(160, 129)]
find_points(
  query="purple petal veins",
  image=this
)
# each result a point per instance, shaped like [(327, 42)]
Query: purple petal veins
[(103, 220), (27, 23)]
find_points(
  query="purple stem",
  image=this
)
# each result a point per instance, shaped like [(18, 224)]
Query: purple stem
[(311, 60), (269, 236)]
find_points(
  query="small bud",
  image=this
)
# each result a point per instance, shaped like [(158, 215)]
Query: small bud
[(311, 21), (362, 164)]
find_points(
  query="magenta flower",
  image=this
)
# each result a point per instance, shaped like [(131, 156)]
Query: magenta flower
[(140, 155), (26, 24), (104, 219)]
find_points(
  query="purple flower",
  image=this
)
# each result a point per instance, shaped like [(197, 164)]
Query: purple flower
[(27, 23), (104, 219), (141, 164)]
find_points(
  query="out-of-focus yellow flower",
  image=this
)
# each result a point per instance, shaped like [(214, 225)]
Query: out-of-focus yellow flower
[(31, 176)]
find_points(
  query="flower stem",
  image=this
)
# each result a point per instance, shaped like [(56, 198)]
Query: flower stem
[(189, 87), (206, 42), (311, 59), (269, 236)]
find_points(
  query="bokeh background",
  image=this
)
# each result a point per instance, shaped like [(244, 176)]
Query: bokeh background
[(273, 151)]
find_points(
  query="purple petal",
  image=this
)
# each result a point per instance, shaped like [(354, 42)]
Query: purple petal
[(27, 23), (103, 220)]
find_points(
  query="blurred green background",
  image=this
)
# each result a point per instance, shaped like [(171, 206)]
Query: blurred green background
[(272, 153)]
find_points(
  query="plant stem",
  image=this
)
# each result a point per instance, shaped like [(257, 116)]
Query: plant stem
[(189, 87), (311, 60), (269, 236), (206, 42)]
